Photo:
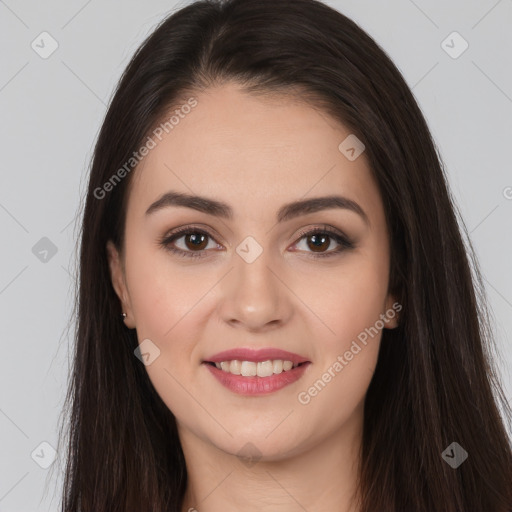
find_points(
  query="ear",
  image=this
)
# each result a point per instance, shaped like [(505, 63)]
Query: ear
[(392, 312), (117, 276)]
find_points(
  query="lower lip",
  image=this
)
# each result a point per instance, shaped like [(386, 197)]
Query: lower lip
[(257, 385)]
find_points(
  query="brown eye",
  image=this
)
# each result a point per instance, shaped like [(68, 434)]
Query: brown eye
[(194, 244), (195, 241), (319, 240)]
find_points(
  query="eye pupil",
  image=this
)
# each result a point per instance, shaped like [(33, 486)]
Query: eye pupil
[(196, 240), (319, 242)]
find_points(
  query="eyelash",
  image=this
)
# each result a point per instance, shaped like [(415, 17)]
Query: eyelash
[(342, 240)]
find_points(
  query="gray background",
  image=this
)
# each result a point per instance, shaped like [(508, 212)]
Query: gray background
[(51, 111)]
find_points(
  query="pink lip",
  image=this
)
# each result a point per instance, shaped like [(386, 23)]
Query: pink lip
[(256, 385), (256, 356)]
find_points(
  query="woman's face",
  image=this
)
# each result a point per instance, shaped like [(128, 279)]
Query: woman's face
[(248, 276)]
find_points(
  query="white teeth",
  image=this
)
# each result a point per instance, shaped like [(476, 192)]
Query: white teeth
[(236, 367), (265, 369), (287, 365), (248, 369), (251, 369), (278, 366)]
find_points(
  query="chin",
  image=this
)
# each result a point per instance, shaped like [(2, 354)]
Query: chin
[(257, 444)]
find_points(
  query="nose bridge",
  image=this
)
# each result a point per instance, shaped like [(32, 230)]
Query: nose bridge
[(255, 297)]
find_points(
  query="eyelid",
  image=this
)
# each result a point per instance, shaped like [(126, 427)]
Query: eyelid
[(322, 228)]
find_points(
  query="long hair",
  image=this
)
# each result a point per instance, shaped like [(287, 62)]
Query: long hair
[(434, 383)]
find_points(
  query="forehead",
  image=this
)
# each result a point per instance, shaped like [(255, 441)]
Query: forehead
[(251, 152)]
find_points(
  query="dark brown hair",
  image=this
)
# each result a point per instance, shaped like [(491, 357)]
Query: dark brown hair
[(434, 383)]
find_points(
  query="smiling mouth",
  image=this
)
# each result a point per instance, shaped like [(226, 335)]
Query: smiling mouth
[(256, 369)]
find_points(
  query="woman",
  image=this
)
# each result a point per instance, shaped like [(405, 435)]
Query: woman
[(276, 309)]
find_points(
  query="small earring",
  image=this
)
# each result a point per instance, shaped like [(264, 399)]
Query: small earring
[(123, 315)]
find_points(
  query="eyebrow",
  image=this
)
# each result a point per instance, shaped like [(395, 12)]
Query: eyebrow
[(285, 213)]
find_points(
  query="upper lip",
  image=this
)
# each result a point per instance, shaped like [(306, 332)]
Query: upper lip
[(255, 355)]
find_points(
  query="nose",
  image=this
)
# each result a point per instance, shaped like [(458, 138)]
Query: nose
[(255, 297)]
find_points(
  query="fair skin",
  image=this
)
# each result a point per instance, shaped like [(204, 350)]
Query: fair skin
[(256, 155)]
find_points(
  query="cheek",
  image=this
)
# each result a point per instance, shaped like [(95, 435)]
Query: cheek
[(348, 300), (350, 303), (172, 305), (169, 308), (346, 357), (161, 295)]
